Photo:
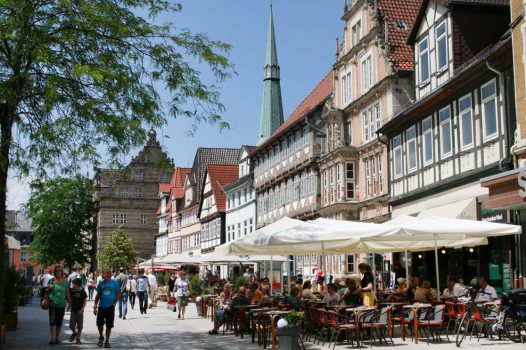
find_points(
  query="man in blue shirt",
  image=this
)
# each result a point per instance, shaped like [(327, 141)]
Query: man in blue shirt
[(108, 293)]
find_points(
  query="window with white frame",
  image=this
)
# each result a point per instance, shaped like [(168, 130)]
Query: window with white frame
[(115, 219), (380, 174), (349, 180), (446, 146), (367, 74), (427, 142), (346, 88), (124, 218), (143, 219), (466, 121), (489, 109), (377, 118), (326, 186), (339, 183), (373, 173), (410, 136), (441, 45), (348, 133), (356, 33), (397, 156), (365, 126), (423, 60), (331, 187), (367, 176), (124, 192)]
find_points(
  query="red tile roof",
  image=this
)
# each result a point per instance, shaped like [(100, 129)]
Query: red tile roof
[(403, 12), (220, 176), (164, 188), (309, 103), (177, 182)]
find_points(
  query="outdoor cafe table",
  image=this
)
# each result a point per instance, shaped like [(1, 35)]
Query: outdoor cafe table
[(415, 307), (394, 305), (252, 312), (357, 310), (204, 306), (273, 315)]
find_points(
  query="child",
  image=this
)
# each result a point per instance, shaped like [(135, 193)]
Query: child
[(78, 302)]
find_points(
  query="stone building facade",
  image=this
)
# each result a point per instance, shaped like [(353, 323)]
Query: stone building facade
[(129, 197)]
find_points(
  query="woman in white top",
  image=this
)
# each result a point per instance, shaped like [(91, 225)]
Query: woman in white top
[(133, 290), (182, 291)]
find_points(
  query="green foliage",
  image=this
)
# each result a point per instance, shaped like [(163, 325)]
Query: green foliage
[(62, 212), (239, 281), (206, 291), (294, 318), (119, 252), (196, 284), (15, 285), (163, 277)]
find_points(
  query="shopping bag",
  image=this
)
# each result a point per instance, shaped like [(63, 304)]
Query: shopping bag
[(44, 303)]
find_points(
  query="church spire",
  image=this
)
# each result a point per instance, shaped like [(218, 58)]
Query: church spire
[(271, 106)]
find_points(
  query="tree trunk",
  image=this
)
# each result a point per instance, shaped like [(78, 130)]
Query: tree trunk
[(6, 125)]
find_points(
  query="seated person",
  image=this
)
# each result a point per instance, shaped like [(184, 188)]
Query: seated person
[(266, 299), (294, 298), (411, 289), (299, 284), (400, 291), (458, 289), (307, 290), (486, 292), (332, 296), (341, 288), (423, 294), (254, 294), (448, 292), (223, 306), (352, 294)]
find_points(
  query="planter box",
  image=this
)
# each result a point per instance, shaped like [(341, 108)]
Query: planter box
[(11, 321), (288, 337)]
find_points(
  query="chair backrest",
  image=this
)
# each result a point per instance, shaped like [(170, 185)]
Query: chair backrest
[(333, 317), (461, 309), (368, 316), (451, 309), (383, 316), (314, 315), (323, 317), (476, 314), (438, 315)]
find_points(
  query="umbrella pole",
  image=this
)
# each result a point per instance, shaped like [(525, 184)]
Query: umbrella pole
[(436, 265), (271, 275), (406, 268), (323, 268), (374, 273)]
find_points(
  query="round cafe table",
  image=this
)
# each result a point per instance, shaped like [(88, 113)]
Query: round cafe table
[(273, 315), (415, 307)]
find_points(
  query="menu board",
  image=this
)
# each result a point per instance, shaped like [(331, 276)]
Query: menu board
[(506, 279)]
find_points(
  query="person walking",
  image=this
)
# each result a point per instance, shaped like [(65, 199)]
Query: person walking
[(91, 286), (182, 291), (143, 285), (78, 302), (122, 280), (108, 293), (58, 292), (171, 286), (133, 290), (153, 288), (44, 282)]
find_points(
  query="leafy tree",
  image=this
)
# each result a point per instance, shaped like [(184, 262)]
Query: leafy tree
[(62, 212), (82, 77), (119, 252)]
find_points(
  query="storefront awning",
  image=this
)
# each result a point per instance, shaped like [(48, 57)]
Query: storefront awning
[(464, 209)]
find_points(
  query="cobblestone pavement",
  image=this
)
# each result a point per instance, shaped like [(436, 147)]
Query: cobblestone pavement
[(160, 329)]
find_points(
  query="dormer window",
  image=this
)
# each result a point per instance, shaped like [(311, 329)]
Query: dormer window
[(423, 54)]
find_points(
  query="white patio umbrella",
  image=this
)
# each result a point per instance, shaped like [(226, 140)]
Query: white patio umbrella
[(228, 259), (178, 259)]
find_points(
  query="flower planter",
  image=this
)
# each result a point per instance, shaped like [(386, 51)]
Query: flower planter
[(288, 337)]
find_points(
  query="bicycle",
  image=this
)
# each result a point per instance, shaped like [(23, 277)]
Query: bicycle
[(512, 316)]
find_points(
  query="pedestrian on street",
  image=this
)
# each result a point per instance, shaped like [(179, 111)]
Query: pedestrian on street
[(58, 291), (182, 291), (44, 282), (153, 288), (133, 290), (143, 285), (108, 293), (122, 280), (78, 302), (171, 285), (91, 286)]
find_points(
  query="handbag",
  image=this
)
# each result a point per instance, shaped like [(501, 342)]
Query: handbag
[(184, 300), (44, 303)]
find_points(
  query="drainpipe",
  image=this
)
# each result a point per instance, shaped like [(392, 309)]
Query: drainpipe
[(504, 107)]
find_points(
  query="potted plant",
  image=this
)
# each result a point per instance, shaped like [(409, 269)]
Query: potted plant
[(288, 330), (12, 294)]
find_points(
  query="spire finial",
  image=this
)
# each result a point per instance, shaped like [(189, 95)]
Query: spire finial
[(345, 6)]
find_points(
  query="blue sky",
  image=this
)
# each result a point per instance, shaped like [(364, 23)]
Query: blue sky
[(306, 32)]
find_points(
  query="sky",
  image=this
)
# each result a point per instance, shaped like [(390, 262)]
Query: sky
[(306, 32)]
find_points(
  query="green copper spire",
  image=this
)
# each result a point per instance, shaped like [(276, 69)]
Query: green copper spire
[(271, 106)]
